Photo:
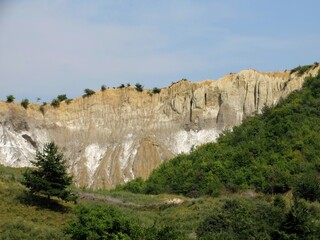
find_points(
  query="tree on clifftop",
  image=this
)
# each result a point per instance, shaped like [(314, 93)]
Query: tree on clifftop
[(50, 178)]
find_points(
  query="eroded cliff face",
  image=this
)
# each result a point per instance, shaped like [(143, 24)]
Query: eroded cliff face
[(119, 134)]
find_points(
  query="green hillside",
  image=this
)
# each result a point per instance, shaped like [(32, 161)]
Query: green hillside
[(274, 152), (258, 181)]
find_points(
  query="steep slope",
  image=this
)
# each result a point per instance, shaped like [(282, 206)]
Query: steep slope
[(272, 152), (119, 134)]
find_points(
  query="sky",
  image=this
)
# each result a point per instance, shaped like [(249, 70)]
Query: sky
[(53, 47)]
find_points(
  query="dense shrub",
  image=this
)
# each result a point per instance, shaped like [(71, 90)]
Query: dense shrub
[(25, 103), (88, 92), (139, 87), (135, 186), (10, 98), (308, 187), (102, 222), (103, 88), (62, 97), (156, 90), (55, 102)]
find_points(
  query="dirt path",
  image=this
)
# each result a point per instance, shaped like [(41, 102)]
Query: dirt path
[(120, 202)]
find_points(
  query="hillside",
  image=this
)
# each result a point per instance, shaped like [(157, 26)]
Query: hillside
[(273, 152), (115, 135), (259, 181)]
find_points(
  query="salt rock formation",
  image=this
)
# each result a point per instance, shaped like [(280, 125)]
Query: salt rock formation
[(119, 134)]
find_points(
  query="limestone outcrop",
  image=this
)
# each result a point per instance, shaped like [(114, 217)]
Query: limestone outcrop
[(119, 134)]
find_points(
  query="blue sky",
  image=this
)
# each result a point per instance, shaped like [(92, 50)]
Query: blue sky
[(57, 47)]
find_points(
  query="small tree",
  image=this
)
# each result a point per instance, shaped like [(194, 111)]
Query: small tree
[(139, 87), (10, 98), (50, 178), (25, 103), (122, 86), (88, 92), (156, 90), (62, 97), (103, 88), (55, 102)]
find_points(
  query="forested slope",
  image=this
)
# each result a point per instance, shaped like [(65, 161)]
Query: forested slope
[(274, 152)]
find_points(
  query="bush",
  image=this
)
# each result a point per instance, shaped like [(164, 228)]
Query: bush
[(135, 186), (25, 103), (69, 100), (308, 187), (156, 90), (62, 97), (302, 69), (139, 87), (241, 219), (10, 98), (102, 222), (88, 92), (55, 102), (103, 88), (122, 86)]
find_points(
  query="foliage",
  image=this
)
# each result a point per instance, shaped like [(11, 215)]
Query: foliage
[(122, 86), (62, 97), (103, 88), (99, 221), (55, 102), (156, 90), (308, 187), (69, 100), (50, 178), (139, 87), (300, 70), (266, 153), (102, 222), (248, 219), (20, 219), (88, 92), (10, 98), (134, 186), (25, 103), (298, 223), (241, 219)]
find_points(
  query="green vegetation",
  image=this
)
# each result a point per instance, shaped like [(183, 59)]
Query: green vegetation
[(69, 100), (62, 97), (23, 218), (55, 102), (10, 98), (156, 90), (139, 87), (88, 92), (122, 86), (259, 181), (300, 70), (267, 153), (103, 88), (102, 222), (25, 103), (50, 178)]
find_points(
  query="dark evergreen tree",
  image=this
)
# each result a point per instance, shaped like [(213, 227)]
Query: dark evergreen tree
[(50, 178)]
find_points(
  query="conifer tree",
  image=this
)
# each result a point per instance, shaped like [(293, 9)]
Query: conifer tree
[(50, 178)]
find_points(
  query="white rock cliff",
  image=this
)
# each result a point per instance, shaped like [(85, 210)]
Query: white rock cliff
[(119, 134)]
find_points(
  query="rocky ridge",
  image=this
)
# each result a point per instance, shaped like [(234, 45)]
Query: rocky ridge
[(119, 134)]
